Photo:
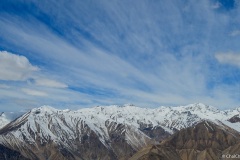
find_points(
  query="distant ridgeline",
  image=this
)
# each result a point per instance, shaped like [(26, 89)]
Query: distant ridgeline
[(195, 131)]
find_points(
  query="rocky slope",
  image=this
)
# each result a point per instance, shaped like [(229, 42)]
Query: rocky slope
[(110, 132), (9, 154), (49, 133), (206, 140)]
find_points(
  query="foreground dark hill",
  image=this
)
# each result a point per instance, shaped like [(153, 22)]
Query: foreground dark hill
[(206, 140), (9, 154)]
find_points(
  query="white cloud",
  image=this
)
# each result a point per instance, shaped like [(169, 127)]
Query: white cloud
[(235, 33), (15, 67), (18, 68), (50, 83), (3, 86), (229, 58), (33, 92), (128, 34)]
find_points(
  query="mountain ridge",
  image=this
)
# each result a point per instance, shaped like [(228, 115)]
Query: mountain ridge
[(114, 131), (206, 140)]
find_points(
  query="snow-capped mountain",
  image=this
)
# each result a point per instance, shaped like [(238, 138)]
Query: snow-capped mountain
[(105, 132), (204, 141)]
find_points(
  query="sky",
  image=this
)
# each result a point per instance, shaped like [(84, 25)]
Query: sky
[(83, 53)]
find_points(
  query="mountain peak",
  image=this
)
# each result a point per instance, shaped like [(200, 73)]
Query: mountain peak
[(201, 107), (44, 109), (116, 126)]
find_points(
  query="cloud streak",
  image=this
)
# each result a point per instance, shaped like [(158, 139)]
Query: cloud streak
[(147, 53), (33, 92), (229, 58), (50, 83)]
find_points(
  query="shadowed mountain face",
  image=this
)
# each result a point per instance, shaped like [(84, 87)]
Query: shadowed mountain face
[(9, 154), (234, 119), (206, 140)]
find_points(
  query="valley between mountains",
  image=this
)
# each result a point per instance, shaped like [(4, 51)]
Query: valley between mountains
[(192, 132)]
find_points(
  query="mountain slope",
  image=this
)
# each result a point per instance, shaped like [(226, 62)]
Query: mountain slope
[(111, 132), (156, 152), (8, 154), (206, 140), (47, 132)]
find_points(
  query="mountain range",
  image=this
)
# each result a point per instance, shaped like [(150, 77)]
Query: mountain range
[(195, 131)]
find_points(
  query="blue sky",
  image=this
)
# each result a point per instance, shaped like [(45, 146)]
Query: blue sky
[(72, 54)]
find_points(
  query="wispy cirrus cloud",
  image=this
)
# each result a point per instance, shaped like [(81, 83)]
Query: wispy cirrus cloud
[(33, 92), (235, 33), (229, 58), (50, 83), (147, 53)]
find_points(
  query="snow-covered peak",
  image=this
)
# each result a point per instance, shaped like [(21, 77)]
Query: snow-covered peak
[(44, 108), (200, 108), (166, 117), (66, 125), (47, 110), (233, 111)]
